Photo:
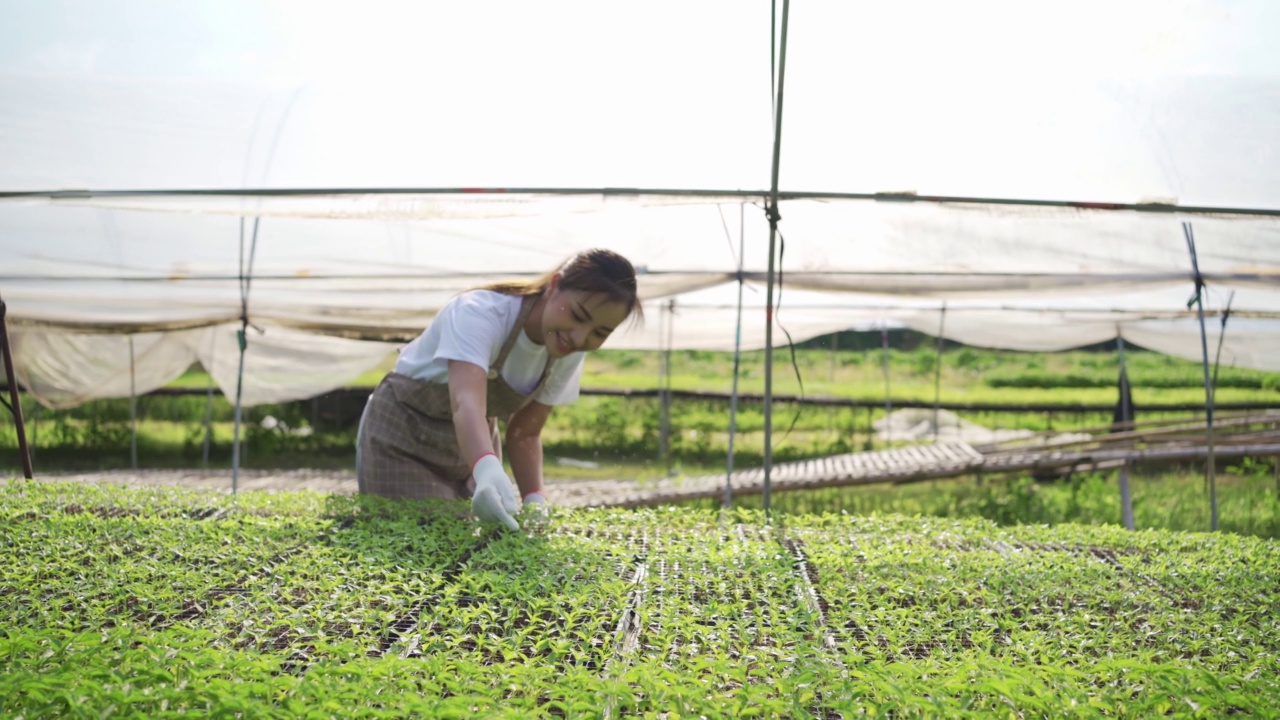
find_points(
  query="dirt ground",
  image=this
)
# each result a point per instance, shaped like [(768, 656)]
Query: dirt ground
[(341, 482)]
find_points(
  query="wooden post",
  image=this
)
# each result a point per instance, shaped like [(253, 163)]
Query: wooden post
[(15, 401)]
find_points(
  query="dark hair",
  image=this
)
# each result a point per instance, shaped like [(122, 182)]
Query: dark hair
[(593, 271)]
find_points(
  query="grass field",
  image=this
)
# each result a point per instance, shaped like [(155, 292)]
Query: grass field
[(171, 603)]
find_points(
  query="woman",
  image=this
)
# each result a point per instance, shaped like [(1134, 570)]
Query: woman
[(511, 350)]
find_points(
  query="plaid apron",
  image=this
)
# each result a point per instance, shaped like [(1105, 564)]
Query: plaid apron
[(407, 445)]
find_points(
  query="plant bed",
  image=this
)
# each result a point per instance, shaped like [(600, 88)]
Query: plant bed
[(290, 604)]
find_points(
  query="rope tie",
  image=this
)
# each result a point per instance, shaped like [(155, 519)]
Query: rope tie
[(771, 212)]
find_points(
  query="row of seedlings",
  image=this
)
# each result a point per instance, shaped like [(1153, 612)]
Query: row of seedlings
[(1025, 624), (350, 593), (1217, 596), (722, 629), (84, 571)]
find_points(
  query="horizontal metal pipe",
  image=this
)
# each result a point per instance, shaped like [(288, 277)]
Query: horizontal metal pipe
[(760, 195)]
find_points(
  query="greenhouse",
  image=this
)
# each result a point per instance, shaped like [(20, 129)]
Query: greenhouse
[(282, 196)]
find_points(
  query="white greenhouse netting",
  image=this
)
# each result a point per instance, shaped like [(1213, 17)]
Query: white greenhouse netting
[(320, 172)]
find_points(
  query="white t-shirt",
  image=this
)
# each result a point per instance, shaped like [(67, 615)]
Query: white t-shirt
[(472, 327)]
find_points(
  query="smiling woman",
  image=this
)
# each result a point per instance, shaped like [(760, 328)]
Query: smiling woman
[(512, 350)]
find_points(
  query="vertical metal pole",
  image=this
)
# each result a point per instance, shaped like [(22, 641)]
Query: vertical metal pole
[(663, 360), (774, 217), (208, 403), (884, 363), (1198, 299), (768, 371), (727, 502), (1222, 335), (242, 337), (1126, 414), (15, 401), (835, 352), (35, 431), (208, 424), (235, 434), (666, 408), (133, 409), (937, 374)]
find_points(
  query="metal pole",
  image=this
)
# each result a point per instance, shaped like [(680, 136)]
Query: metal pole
[(884, 363), (1222, 334), (15, 402), (1198, 299), (133, 410), (647, 192), (246, 276), (737, 360), (871, 431), (937, 374), (663, 359), (666, 384), (208, 425), (835, 352), (1126, 415), (768, 370), (208, 404), (235, 434), (35, 431), (774, 217)]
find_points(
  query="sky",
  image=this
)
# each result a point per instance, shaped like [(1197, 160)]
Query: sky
[(297, 41), (936, 97)]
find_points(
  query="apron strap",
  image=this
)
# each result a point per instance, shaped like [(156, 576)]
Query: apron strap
[(542, 381), (526, 307)]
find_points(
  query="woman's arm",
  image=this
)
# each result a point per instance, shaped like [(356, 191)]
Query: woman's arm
[(493, 501), (468, 391), (524, 446)]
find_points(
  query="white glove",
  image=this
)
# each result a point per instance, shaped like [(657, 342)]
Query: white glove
[(494, 500), (535, 513)]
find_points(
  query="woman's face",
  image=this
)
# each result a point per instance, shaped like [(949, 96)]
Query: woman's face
[(575, 320)]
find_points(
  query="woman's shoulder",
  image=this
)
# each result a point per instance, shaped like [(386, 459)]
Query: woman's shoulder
[(481, 308), (485, 300)]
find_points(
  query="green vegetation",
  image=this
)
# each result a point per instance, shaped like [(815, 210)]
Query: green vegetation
[(969, 375), (321, 432), (622, 436), (174, 603), (1163, 498)]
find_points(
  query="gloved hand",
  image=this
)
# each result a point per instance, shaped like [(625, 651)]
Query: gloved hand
[(535, 509), (494, 500)]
